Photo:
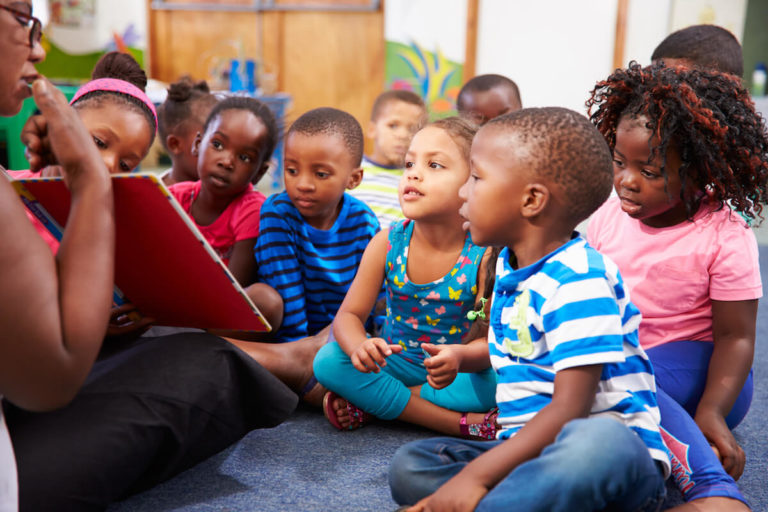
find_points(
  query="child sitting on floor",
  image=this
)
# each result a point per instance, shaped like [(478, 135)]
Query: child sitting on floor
[(313, 235), (577, 408), (232, 152), (690, 155), (182, 116), (487, 96), (395, 117), (432, 273)]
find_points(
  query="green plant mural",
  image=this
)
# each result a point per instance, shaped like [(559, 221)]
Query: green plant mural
[(435, 78)]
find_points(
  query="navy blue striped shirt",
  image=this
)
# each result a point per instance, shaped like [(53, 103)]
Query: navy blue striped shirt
[(310, 268)]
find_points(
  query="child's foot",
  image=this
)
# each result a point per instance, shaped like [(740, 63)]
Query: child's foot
[(342, 414), (478, 426)]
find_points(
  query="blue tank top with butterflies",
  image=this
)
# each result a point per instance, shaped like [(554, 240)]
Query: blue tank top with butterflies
[(427, 313)]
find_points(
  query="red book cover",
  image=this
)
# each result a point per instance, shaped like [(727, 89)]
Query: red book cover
[(163, 264)]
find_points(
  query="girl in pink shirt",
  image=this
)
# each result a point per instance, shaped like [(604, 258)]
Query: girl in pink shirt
[(690, 155), (233, 153)]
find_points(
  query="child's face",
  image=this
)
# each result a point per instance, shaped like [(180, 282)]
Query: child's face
[(640, 185), (318, 169), (231, 152), (494, 192), (393, 130), (481, 107), (183, 157), (122, 135), (435, 169), (181, 143)]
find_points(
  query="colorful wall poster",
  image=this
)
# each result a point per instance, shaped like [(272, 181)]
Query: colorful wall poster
[(425, 47)]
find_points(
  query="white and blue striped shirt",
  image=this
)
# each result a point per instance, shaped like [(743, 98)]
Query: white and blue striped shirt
[(570, 309)]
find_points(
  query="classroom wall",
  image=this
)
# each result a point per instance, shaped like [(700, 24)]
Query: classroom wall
[(320, 58), (557, 49), (553, 49)]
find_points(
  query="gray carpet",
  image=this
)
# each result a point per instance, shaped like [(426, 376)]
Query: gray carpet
[(306, 465)]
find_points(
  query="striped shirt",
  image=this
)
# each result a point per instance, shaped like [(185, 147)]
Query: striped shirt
[(379, 191), (570, 309), (310, 268)]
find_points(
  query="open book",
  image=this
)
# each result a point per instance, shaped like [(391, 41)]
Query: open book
[(163, 264)]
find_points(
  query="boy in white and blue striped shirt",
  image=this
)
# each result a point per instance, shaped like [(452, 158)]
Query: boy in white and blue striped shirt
[(578, 424)]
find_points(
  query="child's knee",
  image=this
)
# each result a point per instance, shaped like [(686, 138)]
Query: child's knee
[(329, 363), (269, 302)]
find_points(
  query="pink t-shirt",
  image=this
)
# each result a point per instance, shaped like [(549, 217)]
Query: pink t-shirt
[(239, 221), (674, 273), (41, 229)]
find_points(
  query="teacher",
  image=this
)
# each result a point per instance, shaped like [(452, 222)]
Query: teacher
[(53, 313), (87, 434)]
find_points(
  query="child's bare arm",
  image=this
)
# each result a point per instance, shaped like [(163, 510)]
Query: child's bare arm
[(348, 326), (733, 327), (53, 314), (573, 396), (242, 263)]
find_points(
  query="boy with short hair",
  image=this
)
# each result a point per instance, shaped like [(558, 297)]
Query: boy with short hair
[(312, 236), (579, 423), (702, 46), (487, 96), (396, 116)]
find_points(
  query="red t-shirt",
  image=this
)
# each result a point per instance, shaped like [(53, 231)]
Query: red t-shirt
[(240, 221)]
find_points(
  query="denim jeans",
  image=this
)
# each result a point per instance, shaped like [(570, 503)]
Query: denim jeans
[(594, 464)]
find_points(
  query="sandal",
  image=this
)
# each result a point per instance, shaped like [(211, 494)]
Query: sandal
[(484, 431), (357, 416)]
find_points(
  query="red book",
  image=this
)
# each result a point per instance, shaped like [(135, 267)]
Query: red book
[(163, 264)]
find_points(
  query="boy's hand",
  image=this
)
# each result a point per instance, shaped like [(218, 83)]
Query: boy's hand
[(442, 365), (57, 136), (714, 428), (459, 494), (372, 354)]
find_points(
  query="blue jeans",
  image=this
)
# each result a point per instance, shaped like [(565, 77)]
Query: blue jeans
[(594, 464)]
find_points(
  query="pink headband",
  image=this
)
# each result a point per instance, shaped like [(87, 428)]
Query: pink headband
[(116, 85)]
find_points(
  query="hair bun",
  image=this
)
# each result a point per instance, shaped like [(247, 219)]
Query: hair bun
[(183, 89), (121, 66)]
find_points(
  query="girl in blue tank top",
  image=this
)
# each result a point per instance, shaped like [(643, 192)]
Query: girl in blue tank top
[(433, 276)]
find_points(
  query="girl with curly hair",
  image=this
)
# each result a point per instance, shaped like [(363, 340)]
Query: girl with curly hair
[(690, 154)]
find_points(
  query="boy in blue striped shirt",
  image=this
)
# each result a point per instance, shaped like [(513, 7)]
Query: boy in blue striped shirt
[(578, 424), (312, 236)]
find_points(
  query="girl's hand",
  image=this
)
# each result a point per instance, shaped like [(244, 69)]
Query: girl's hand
[(126, 321), (714, 428), (442, 365), (372, 354), (57, 136)]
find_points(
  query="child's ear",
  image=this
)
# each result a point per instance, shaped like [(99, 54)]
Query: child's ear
[(196, 144), (371, 129), (173, 143), (355, 178), (535, 199)]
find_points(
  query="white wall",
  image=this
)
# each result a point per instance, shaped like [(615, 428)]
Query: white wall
[(555, 50)]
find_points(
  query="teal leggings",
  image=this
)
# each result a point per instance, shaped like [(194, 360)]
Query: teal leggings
[(385, 394)]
